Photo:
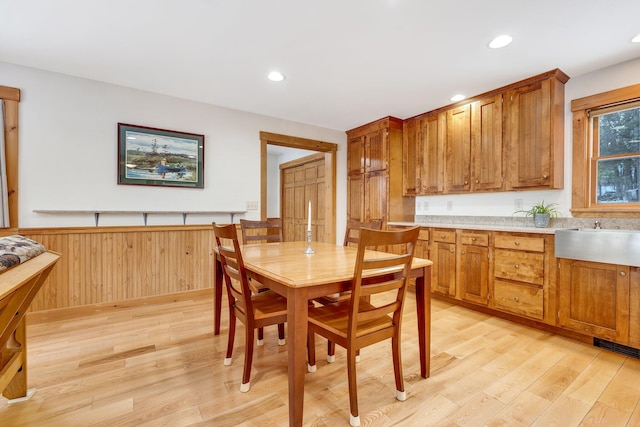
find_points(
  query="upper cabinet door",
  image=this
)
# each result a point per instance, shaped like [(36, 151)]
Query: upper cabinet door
[(529, 135), (356, 159), (431, 153), (534, 116), (458, 149), (410, 162), (486, 144), (376, 150)]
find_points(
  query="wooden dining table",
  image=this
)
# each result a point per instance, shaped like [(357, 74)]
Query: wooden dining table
[(286, 269)]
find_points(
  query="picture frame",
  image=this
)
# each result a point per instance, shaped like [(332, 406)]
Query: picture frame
[(159, 157)]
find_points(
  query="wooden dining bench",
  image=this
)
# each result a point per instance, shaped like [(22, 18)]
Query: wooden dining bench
[(24, 266)]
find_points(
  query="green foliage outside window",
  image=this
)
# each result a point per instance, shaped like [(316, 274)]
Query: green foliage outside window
[(618, 156)]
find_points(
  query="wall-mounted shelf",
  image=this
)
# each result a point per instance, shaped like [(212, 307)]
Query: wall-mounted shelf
[(96, 213)]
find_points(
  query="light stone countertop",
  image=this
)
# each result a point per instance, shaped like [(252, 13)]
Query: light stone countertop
[(516, 224), (483, 227)]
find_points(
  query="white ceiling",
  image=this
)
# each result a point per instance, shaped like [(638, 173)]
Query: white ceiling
[(346, 62)]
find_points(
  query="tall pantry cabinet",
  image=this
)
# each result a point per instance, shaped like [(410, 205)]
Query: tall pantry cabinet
[(374, 173)]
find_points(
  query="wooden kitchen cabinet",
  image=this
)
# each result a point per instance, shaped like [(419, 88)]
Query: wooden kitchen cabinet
[(521, 273), (534, 132), (424, 155), (422, 245), (486, 144), (473, 267), (367, 196), (442, 253), (374, 173), (458, 158), (510, 138), (411, 163), (594, 299), (474, 146)]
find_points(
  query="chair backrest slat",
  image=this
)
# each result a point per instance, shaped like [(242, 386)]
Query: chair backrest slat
[(266, 231)]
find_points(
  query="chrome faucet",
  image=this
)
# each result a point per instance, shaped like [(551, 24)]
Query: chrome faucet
[(596, 225)]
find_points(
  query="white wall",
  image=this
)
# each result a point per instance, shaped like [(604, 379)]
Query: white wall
[(69, 152), (503, 204), (284, 155)]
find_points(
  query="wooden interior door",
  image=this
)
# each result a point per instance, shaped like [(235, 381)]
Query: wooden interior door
[(303, 180)]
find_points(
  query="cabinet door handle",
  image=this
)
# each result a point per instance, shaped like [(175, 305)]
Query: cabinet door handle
[(545, 176), (622, 273), (517, 243), (466, 182), (477, 181), (442, 236), (516, 299), (516, 266), (473, 239), (451, 250), (462, 252)]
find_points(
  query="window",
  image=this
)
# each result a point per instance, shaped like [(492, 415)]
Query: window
[(616, 152), (606, 154)]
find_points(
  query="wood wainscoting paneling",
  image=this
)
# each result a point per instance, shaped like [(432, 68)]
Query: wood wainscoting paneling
[(109, 264)]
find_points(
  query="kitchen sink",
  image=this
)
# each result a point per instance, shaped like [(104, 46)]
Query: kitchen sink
[(620, 247)]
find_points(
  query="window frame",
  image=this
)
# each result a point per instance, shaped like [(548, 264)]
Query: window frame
[(583, 163)]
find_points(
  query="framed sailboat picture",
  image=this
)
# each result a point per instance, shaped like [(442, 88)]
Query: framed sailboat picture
[(151, 156)]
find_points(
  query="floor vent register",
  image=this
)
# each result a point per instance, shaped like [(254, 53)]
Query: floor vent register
[(618, 348)]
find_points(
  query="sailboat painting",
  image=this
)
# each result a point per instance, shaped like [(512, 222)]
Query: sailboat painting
[(152, 156)]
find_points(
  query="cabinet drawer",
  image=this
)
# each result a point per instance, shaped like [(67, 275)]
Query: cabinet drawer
[(476, 239), (424, 234), (534, 244), (520, 266), (446, 236), (519, 299)]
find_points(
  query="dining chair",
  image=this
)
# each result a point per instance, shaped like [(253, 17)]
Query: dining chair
[(351, 238), (254, 310), (256, 232), (358, 323), (352, 232), (266, 231)]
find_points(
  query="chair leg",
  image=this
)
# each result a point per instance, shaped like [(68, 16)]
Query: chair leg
[(260, 337), (248, 359), (232, 335), (331, 351), (281, 340), (401, 395), (354, 418), (311, 351)]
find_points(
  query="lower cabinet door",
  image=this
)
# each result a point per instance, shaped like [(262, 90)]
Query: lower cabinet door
[(594, 299)]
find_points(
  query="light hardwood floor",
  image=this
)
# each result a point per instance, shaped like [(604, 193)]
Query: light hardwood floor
[(160, 364)]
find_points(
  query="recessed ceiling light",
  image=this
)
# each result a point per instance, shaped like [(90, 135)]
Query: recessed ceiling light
[(500, 41), (636, 39), (275, 76), (456, 98)]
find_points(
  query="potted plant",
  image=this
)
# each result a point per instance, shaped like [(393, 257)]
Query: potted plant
[(542, 213)]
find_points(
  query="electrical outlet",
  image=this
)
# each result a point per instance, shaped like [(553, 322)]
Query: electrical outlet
[(252, 206), (425, 206), (449, 205), (519, 204)]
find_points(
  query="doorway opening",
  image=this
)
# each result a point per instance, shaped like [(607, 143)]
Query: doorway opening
[(328, 202)]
